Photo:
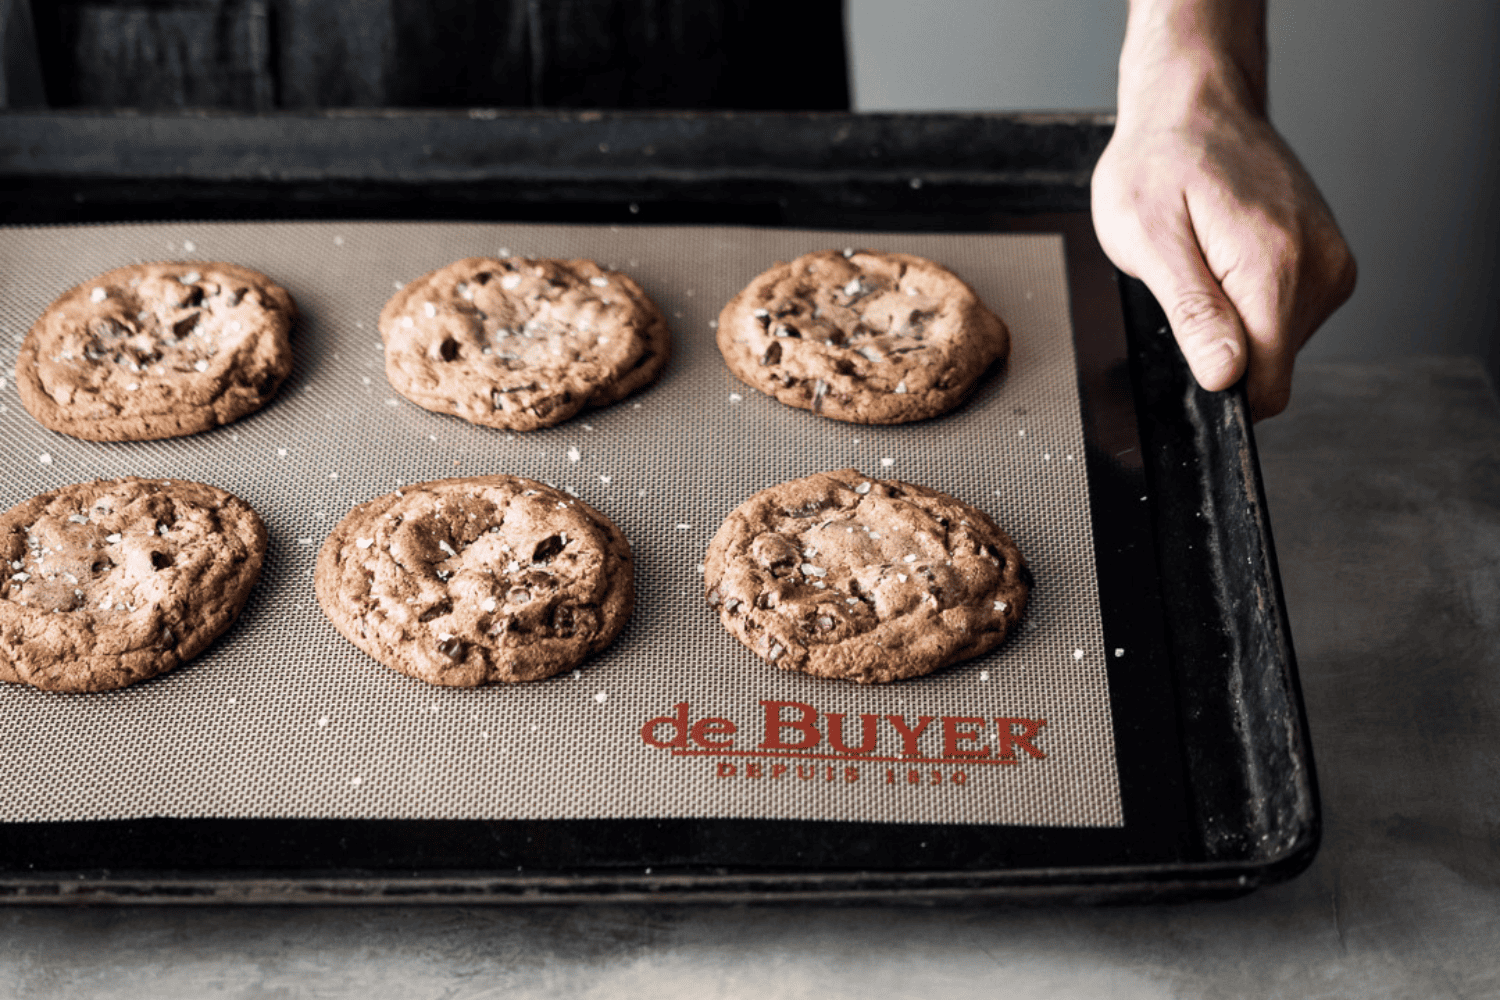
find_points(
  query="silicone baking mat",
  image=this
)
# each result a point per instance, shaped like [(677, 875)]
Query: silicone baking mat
[(283, 718)]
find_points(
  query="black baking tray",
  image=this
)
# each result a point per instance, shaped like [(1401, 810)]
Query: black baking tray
[(1216, 768)]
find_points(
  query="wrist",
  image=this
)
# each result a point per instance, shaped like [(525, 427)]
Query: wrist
[(1185, 56)]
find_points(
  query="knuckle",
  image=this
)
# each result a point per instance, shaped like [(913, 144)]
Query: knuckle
[(1346, 274), (1271, 400), (1283, 249), (1199, 316)]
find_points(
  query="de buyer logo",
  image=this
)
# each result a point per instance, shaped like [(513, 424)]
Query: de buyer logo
[(796, 741)]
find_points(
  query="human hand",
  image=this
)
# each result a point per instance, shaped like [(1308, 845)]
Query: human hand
[(1199, 197)]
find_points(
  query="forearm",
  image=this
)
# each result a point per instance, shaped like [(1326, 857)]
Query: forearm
[(1183, 52)]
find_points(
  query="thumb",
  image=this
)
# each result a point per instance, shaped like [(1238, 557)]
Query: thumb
[(1205, 323)]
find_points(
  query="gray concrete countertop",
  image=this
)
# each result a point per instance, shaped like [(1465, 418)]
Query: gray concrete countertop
[(1384, 487)]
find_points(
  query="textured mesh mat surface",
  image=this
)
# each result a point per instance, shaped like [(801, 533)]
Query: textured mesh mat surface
[(283, 718)]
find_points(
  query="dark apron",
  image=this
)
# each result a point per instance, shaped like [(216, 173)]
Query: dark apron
[(260, 55)]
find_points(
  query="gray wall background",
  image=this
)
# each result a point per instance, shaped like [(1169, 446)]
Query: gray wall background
[(1393, 106)]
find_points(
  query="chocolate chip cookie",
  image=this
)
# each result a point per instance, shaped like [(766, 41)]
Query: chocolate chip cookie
[(463, 582), (864, 337), (521, 343), (839, 575), (156, 351), (111, 582)]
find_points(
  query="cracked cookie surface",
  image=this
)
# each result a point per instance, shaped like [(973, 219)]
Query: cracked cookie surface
[(864, 337), (157, 350), (521, 343), (463, 582), (839, 575), (110, 582)]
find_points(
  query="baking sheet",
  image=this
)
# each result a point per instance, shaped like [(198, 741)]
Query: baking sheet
[(283, 718)]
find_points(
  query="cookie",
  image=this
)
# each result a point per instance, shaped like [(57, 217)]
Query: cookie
[(156, 351), (838, 575), (521, 343), (462, 582), (864, 337), (110, 582)]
